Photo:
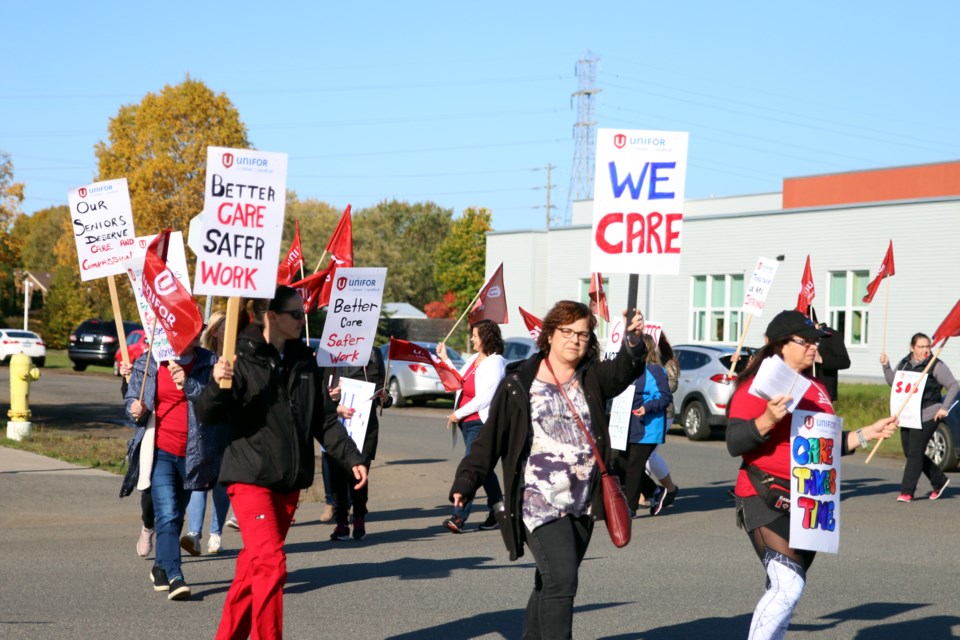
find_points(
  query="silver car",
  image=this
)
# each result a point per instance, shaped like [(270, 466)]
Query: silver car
[(518, 349), (414, 382), (704, 388)]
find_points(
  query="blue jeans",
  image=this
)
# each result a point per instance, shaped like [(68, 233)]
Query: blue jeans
[(491, 485), (198, 506), (169, 503)]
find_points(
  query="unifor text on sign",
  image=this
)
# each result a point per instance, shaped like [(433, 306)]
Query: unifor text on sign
[(638, 201), (356, 300), (102, 222), (243, 208)]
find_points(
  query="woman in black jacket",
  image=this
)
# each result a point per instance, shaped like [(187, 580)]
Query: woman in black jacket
[(275, 407), (551, 484)]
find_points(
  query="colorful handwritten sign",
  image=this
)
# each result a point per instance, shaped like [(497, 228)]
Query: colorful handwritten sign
[(356, 301), (102, 227), (815, 481)]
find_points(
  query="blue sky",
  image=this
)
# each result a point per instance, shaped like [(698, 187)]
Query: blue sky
[(466, 105)]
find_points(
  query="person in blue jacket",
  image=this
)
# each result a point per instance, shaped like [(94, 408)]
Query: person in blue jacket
[(648, 424)]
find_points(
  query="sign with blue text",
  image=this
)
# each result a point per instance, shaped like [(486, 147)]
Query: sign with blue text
[(815, 481), (356, 301), (102, 227)]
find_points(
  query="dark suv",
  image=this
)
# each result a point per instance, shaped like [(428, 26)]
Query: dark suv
[(95, 342)]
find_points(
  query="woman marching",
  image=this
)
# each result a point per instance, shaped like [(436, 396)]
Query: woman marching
[(552, 487), (933, 409), (759, 431)]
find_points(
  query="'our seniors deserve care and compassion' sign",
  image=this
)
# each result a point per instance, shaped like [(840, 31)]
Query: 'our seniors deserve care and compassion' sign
[(815, 481), (356, 300), (102, 227), (243, 207), (638, 201)]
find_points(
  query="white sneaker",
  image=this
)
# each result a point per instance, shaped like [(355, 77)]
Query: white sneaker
[(213, 544), (191, 543), (232, 524), (145, 543)]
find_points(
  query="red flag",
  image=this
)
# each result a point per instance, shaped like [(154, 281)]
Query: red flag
[(340, 249), (950, 327), (311, 289), (492, 303), (807, 293), (403, 350), (534, 324), (170, 301), (886, 269), (290, 269), (598, 299)]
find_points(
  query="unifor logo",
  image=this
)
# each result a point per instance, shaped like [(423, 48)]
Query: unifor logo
[(494, 292), (619, 140), (164, 284), (808, 422), (83, 192), (341, 283), (227, 160)]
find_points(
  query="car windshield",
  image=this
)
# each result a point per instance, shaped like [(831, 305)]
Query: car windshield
[(22, 334)]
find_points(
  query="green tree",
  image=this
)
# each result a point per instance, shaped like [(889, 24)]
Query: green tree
[(460, 261), (37, 234), (70, 301), (11, 197)]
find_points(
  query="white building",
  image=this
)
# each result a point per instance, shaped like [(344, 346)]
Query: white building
[(844, 222)]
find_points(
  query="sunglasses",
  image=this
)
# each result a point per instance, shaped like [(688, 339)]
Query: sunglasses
[(296, 314)]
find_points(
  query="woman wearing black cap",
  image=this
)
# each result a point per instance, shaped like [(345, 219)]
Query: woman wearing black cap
[(759, 431)]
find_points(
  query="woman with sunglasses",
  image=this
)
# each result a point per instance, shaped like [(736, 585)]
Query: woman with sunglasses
[(933, 409), (275, 406), (759, 431), (551, 484)]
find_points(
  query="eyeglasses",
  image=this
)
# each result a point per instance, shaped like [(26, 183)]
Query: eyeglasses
[(568, 334), (922, 347), (806, 344), (296, 314)]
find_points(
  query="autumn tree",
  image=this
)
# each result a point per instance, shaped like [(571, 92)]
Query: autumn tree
[(11, 197), (461, 258), (36, 236), (70, 301)]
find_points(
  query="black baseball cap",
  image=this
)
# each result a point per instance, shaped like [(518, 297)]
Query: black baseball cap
[(792, 323)]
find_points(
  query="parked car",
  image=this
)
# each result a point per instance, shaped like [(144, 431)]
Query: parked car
[(705, 386), (415, 382), (136, 345), (518, 349), (944, 445), (14, 341), (95, 342)]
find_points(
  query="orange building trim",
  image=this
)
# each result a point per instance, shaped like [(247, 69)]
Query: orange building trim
[(876, 185)]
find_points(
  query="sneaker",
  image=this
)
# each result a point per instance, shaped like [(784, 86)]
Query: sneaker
[(490, 523), (936, 493), (342, 532), (664, 500), (327, 514), (359, 530), (454, 523), (179, 589), (214, 545), (145, 543), (159, 579), (191, 543), (233, 524), (905, 497)]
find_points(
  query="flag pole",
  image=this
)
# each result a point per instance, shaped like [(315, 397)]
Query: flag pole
[(230, 335), (886, 306), (320, 262), (913, 389), (386, 375), (306, 324), (146, 372), (736, 354), (465, 312)]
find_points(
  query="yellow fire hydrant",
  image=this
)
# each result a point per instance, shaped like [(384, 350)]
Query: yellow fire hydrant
[(22, 373)]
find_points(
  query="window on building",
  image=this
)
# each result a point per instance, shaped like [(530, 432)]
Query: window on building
[(717, 302), (846, 310)]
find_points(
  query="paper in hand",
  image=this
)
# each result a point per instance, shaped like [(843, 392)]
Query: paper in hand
[(775, 378)]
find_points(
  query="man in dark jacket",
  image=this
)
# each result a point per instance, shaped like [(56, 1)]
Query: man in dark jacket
[(832, 357)]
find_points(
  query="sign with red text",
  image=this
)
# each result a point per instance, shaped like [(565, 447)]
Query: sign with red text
[(102, 223), (638, 201), (899, 390), (755, 297), (243, 207), (615, 339), (356, 301), (815, 481), (177, 263)]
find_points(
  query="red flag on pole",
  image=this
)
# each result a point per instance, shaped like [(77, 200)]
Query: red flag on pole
[(950, 327), (311, 289), (403, 350), (598, 299), (492, 303), (807, 292), (290, 267), (340, 248), (534, 324), (886, 269), (170, 301)]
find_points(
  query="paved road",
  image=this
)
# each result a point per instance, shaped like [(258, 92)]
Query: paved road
[(68, 567)]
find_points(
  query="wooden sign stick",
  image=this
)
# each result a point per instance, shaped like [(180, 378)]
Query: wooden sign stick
[(230, 335), (736, 354), (118, 318)]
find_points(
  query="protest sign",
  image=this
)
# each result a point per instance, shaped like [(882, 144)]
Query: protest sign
[(755, 297), (353, 313), (620, 412), (899, 390), (615, 340), (357, 395), (815, 481), (243, 208), (102, 227), (638, 201)]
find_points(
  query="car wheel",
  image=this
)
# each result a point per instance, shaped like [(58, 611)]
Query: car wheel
[(695, 423), (40, 361), (79, 366), (418, 402), (941, 448), (394, 390)]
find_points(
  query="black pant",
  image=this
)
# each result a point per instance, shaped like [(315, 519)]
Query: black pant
[(631, 468), (341, 486), (914, 442), (558, 548)]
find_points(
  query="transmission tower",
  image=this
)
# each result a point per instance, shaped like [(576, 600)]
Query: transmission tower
[(584, 134)]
